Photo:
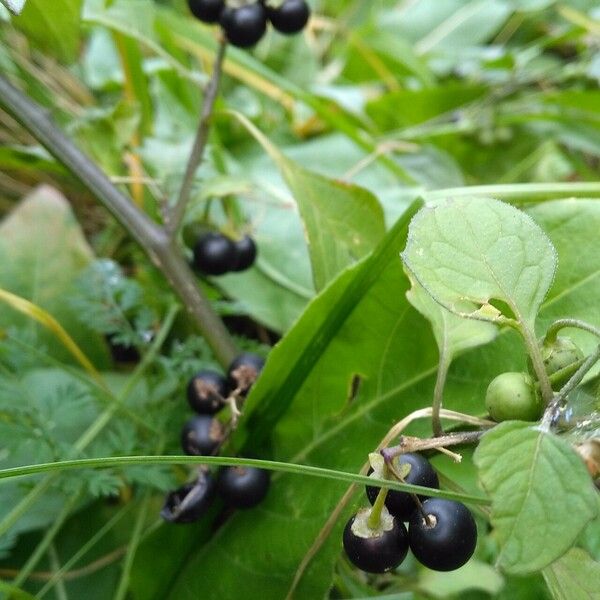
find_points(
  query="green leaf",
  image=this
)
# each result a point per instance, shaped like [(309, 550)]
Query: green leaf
[(542, 494), (343, 222), (475, 575), (575, 576), (53, 26), (469, 252), (452, 333), (15, 6), (42, 252)]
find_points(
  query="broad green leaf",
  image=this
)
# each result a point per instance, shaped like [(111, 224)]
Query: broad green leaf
[(542, 494), (575, 576), (343, 222), (310, 419), (42, 252), (15, 6), (469, 252), (452, 333), (475, 575), (53, 26)]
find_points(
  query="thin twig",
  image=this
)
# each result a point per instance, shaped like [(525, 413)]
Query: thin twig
[(197, 153), (152, 238)]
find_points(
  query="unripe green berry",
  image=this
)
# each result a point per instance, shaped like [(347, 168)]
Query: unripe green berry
[(560, 354), (512, 396)]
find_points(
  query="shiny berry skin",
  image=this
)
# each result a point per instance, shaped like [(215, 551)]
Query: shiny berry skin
[(214, 254), (450, 542), (401, 504), (201, 435), (246, 251), (206, 392), (245, 25), (244, 370), (208, 11), (290, 17), (187, 503), (384, 551), (512, 396), (243, 487)]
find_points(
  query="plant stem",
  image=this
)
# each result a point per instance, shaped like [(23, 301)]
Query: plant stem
[(197, 153), (132, 548), (48, 538), (296, 469), (374, 520), (535, 353), (438, 393), (58, 575), (553, 330), (412, 444), (552, 409), (155, 240)]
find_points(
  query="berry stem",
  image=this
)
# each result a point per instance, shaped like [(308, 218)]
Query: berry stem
[(535, 353), (374, 520), (438, 392), (197, 153), (412, 444), (553, 330), (551, 412), (415, 498)]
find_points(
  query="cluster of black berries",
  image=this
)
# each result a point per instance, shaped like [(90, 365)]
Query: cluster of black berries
[(245, 23), (441, 533), (216, 254), (239, 487)]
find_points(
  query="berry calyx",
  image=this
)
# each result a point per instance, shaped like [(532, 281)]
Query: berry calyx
[(208, 11), (243, 487), (245, 251), (206, 392), (245, 25), (214, 254), (447, 539), (187, 503), (512, 396), (560, 353), (244, 370), (290, 17), (375, 550), (402, 504), (201, 435)]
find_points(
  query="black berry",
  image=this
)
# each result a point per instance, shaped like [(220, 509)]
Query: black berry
[(375, 551), (245, 250), (245, 25), (214, 254), (208, 11), (123, 353), (401, 504), (187, 503), (201, 435), (206, 392), (243, 487), (290, 17), (244, 370), (449, 540)]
